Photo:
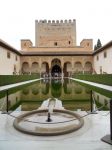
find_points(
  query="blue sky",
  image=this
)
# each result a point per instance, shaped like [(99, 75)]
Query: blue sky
[(17, 18)]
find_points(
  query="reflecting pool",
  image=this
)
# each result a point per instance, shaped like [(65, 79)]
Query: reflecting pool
[(73, 96)]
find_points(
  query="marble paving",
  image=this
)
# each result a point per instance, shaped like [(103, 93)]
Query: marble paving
[(87, 138)]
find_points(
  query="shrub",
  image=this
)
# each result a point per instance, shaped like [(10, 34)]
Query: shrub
[(98, 78), (10, 79)]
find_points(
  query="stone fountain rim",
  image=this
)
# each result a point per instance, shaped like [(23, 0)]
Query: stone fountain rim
[(31, 132)]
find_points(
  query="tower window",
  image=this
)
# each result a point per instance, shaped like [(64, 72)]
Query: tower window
[(87, 44), (55, 43), (69, 42)]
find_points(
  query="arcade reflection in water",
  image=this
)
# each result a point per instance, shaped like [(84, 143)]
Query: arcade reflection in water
[(73, 96)]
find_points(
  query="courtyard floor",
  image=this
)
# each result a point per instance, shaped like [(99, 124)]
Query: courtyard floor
[(87, 138)]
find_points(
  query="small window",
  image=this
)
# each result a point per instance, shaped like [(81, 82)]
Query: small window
[(97, 57), (105, 54), (16, 58), (69, 42), (55, 43), (87, 44), (8, 55)]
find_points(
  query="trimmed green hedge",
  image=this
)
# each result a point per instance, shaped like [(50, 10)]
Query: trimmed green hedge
[(96, 89), (98, 78), (10, 79)]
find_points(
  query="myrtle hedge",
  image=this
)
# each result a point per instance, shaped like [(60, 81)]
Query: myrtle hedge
[(10, 79), (98, 78)]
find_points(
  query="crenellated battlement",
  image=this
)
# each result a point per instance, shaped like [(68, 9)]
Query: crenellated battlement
[(57, 33), (55, 21)]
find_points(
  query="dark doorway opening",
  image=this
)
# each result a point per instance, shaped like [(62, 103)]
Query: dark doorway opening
[(56, 71)]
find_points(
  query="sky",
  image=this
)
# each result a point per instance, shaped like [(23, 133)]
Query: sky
[(93, 18)]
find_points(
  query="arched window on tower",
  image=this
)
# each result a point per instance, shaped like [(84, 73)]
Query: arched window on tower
[(69, 42)]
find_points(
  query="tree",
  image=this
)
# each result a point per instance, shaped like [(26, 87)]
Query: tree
[(98, 45)]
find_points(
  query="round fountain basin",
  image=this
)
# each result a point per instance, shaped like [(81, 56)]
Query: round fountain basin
[(34, 122)]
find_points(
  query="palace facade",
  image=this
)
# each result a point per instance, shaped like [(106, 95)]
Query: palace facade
[(55, 52)]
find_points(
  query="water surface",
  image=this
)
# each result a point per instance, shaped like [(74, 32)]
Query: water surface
[(73, 96)]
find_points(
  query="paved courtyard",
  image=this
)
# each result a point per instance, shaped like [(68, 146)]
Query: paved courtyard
[(87, 138)]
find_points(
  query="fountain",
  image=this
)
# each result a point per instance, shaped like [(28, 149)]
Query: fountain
[(59, 120), (51, 105)]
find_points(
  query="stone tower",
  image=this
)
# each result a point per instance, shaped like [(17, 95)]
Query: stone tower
[(55, 33)]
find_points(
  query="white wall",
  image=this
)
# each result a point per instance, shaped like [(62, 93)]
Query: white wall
[(7, 64), (105, 63)]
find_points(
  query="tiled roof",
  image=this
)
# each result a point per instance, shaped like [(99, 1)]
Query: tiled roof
[(7, 46), (109, 44)]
